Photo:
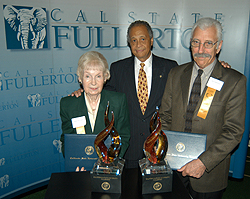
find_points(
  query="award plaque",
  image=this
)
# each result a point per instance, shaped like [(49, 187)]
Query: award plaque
[(156, 173), (107, 171), (184, 147), (79, 151)]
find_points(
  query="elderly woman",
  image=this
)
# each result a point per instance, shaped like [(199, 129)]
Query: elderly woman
[(92, 73)]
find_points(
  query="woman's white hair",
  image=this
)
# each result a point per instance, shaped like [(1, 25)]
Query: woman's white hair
[(93, 60)]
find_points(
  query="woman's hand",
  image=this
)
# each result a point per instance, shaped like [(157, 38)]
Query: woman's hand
[(78, 169)]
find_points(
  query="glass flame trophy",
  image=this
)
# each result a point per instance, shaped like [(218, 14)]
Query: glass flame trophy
[(156, 173), (107, 171)]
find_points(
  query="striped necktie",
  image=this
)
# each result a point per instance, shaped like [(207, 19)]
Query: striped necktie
[(193, 101)]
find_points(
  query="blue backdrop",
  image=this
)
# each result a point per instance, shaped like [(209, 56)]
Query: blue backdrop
[(40, 44)]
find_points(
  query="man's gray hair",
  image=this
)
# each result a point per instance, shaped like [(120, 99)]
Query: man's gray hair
[(208, 22), (139, 23)]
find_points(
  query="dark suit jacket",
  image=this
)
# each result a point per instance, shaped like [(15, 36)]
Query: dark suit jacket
[(71, 107), (224, 124), (123, 80)]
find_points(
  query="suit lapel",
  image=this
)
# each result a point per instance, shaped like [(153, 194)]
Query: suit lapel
[(156, 76), (131, 76), (132, 92), (185, 82), (99, 122), (217, 72)]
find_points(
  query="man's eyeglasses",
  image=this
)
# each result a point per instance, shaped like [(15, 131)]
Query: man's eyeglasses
[(206, 44)]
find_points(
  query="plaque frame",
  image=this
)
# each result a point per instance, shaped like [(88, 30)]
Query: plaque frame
[(184, 147), (76, 154)]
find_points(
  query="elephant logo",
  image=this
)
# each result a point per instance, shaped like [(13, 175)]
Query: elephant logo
[(25, 27), (4, 181), (2, 161), (58, 145), (34, 100)]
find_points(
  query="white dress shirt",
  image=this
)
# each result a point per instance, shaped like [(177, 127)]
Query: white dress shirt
[(91, 113)]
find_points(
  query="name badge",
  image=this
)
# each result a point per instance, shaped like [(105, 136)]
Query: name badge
[(79, 123), (215, 83)]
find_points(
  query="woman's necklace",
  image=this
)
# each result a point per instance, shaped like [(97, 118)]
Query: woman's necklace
[(93, 103)]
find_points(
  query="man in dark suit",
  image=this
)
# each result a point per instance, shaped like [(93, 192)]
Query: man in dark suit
[(124, 78), (218, 112)]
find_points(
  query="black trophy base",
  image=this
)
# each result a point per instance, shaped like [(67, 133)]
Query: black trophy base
[(155, 181), (107, 178), (108, 183)]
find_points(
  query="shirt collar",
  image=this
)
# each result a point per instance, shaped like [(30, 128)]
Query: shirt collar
[(147, 63), (89, 107), (208, 69)]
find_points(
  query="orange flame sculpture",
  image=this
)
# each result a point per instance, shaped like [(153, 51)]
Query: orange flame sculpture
[(156, 145), (106, 155)]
